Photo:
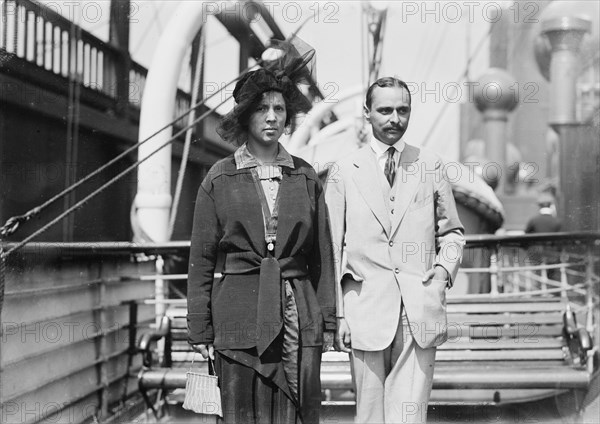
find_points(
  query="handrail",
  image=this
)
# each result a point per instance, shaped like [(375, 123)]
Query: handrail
[(56, 45), (56, 18), (44, 38), (502, 262), (477, 240), (163, 248), (472, 241)]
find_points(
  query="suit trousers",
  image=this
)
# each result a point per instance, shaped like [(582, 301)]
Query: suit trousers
[(394, 385)]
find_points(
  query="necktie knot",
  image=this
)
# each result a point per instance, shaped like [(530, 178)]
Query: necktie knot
[(390, 166)]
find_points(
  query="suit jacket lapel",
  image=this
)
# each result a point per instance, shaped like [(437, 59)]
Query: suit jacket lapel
[(407, 181), (367, 182)]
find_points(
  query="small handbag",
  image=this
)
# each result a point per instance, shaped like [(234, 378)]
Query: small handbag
[(202, 393)]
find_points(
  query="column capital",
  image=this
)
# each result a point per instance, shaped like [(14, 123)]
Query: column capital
[(565, 33)]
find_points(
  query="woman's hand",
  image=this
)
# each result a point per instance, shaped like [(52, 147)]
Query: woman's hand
[(207, 351), (328, 337), (343, 340)]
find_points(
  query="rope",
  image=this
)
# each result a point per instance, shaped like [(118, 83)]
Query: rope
[(521, 293), (72, 142), (14, 222), (461, 77), (436, 51), (107, 184), (188, 136)]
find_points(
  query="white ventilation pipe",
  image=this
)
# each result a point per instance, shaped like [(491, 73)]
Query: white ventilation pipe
[(153, 198)]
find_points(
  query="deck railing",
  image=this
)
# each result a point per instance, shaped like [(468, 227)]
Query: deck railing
[(44, 39), (557, 264), (68, 327), (526, 266), (69, 324)]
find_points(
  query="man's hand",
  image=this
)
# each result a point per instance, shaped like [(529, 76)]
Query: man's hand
[(205, 350), (438, 272), (343, 340), (328, 337)]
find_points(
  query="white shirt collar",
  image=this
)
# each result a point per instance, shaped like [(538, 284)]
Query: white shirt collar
[(245, 159), (381, 148)]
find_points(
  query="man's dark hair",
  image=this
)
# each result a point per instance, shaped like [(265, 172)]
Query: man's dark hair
[(386, 82)]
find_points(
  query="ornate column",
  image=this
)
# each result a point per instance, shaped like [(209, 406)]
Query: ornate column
[(565, 35), (496, 94), (577, 147)]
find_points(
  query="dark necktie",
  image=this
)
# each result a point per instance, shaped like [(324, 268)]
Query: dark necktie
[(390, 167)]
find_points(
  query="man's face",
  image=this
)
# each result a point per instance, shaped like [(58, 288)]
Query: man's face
[(389, 113)]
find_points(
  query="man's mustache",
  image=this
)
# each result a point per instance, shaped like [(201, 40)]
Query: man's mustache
[(394, 127)]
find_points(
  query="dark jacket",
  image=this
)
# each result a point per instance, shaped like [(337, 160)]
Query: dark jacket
[(543, 223), (228, 221)]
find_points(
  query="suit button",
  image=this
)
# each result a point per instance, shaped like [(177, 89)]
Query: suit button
[(391, 243), (392, 211), (397, 271), (392, 198)]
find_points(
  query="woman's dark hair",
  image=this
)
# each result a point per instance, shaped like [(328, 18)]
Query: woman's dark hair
[(279, 75), (386, 82)]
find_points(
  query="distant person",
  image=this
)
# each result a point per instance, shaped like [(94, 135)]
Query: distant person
[(545, 221), (400, 242), (266, 321)]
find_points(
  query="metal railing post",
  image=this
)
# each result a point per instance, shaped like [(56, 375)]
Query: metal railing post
[(494, 272), (589, 300), (160, 309), (544, 276), (589, 295), (564, 282), (516, 276), (103, 349)]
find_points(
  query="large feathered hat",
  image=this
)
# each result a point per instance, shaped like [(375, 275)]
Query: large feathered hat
[(286, 65)]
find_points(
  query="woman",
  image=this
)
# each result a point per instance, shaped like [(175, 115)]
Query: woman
[(262, 210)]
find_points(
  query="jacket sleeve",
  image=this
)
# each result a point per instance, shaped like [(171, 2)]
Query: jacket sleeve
[(336, 206), (321, 268), (449, 231), (203, 256)]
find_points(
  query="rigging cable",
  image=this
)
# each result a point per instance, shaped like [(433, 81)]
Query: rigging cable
[(417, 64), (436, 52), (188, 135), (73, 113), (13, 223), (460, 78), (149, 27), (108, 183), (378, 33)]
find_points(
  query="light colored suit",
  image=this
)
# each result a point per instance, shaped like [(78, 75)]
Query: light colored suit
[(384, 245)]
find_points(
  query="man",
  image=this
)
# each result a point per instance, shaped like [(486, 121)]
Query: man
[(545, 221), (398, 243)]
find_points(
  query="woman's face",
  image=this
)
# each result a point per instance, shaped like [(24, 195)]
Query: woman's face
[(267, 122)]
